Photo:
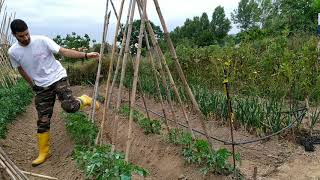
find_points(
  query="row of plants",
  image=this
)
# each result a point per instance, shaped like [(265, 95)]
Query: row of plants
[(279, 67), (97, 162), (149, 126), (13, 101), (196, 151), (85, 72), (260, 115)]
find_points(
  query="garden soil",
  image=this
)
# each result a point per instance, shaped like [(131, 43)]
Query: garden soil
[(278, 158)]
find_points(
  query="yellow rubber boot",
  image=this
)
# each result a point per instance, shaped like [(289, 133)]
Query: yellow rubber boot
[(44, 149), (87, 101)]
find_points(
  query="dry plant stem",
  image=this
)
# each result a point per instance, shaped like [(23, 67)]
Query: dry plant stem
[(135, 81), (114, 47), (306, 100), (163, 60), (96, 85), (180, 72), (123, 70)]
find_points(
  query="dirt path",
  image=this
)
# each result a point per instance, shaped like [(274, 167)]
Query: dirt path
[(275, 159), (21, 146)]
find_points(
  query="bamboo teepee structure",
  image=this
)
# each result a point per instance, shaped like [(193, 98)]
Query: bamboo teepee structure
[(8, 76), (159, 67)]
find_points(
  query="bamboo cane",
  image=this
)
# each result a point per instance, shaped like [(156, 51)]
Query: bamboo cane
[(39, 175), (142, 94), (163, 60), (179, 69), (9, 164), (120, 57), (96, 86), (157, 81), (114, 9), (123, 70), (135, 81), (13, 177), (116, 73), (93, 109), (105, 111)]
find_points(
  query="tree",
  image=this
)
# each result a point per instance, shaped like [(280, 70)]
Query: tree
[(247, 15), (73, 41), (219, 24), (135, 35)]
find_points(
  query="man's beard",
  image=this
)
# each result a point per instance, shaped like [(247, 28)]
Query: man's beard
[(25, 43)]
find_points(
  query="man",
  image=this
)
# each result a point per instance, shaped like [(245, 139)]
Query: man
[(33, 56)]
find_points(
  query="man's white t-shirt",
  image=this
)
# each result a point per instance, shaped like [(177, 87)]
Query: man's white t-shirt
[(37, 60)]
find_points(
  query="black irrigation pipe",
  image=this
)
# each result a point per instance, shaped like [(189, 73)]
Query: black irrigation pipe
[(239, 142)]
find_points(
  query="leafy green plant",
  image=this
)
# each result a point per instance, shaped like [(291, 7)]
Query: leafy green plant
[(100, 163), (149, 126), (13, 101), (97, 162), (198, 152), (80, 128)]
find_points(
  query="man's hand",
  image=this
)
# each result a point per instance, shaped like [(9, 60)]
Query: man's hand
[(93, 55)]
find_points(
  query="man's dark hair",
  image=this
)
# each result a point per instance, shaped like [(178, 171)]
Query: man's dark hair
[(18, 25)]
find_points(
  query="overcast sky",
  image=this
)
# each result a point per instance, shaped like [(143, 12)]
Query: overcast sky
[(55, 17)]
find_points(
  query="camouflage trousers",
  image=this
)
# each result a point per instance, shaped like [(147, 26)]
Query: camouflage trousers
[(46, 97)]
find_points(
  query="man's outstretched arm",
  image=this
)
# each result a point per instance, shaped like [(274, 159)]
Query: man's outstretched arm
[(76, 54)]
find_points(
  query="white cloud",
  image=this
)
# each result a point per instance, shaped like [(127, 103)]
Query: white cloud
[(52, 17)]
